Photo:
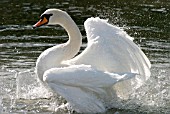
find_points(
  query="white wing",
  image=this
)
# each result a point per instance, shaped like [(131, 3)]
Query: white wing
[(112, 49), (83, 87)]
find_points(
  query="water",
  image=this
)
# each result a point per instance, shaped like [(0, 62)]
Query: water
[(147, 21)]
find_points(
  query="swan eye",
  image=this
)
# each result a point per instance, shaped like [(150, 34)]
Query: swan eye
[(47, 16)]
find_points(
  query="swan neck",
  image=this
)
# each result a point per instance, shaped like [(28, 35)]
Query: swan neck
[(56, 55), (73, 31), (75, 38)]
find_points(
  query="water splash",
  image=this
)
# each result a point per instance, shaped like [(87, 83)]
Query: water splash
[(32, 94), (1, 107), (154, 95), (29, 87)]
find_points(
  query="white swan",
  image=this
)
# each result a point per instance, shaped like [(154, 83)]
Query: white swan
[(86, 81)]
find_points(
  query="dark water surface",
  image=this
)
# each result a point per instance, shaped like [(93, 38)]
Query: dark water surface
[(148, 21)]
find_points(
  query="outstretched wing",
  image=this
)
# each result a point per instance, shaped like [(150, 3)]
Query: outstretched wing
[(112, 49)]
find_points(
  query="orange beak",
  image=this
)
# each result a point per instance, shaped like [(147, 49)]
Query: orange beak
[(41, 22)]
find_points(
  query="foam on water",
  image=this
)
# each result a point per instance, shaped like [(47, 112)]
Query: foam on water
[(153, 96), (1, 108), (29, 87)]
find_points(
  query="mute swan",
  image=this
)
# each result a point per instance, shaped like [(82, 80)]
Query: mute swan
[(86, 81)]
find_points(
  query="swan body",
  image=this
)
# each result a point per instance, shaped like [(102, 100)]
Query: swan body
[(110, 64)]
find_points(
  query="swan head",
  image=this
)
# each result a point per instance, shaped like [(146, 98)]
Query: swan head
[(52, 17)]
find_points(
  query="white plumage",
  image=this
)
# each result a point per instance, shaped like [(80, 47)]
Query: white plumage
[(87, 80)]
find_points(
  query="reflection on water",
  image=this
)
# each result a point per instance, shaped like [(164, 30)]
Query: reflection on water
[(147, 21)]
